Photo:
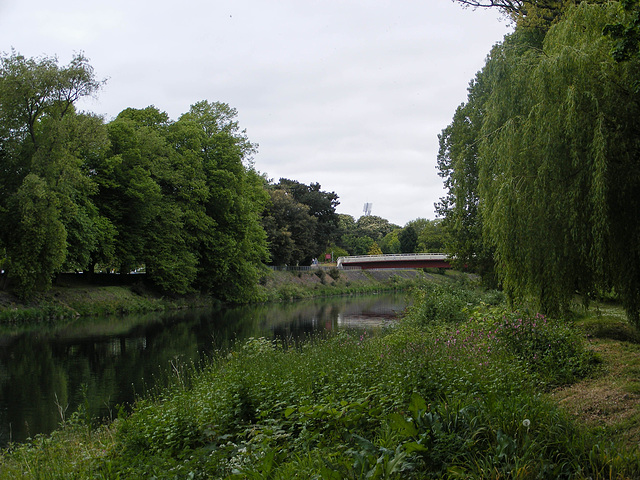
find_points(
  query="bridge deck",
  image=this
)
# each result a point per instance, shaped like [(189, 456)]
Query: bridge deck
[(401, 260)]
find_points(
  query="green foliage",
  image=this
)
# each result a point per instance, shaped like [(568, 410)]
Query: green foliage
[(625, 32), (408, 238), (358, 237), (431, 237), (300, 221), (179, 198), (447, 302), (45, 314), (539, 165), (334, 252), (46, 207), (390, 242), (334, 273), (545, 346), (458, 165), (418, 402), (290, 229), (374, 249)]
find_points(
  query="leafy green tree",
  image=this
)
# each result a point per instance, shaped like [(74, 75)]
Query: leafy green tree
[(525, 13), (36, 240), (45, 150), (374, 227), (333, 252), (431, 238), (558, 167), (625, 31), (232, 246), (289, 229), (374, 249), (345, 232), (362, 245), (370, 227), (459, 210), (322, 206), (390, 242), (133, 195), (408, 238)]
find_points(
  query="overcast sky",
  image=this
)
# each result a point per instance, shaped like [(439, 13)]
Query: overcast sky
[(349, 94)]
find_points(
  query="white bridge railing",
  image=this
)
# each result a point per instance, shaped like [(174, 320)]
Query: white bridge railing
[(391, 257)]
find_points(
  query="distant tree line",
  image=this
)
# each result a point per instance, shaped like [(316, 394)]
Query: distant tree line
[(541, 163), (180, 199)]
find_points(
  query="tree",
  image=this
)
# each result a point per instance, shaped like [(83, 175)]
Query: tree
[(526, 13), (458, 159), (185, 200), (322, 205), (289, 229), (431, 238), (374, 227), (362, 245), (625, 31), (374, 249), (558, 164), (45, 147), (232, 247), (36, 240), (147, 219), (408, 238), (346, 227), (390, 242)]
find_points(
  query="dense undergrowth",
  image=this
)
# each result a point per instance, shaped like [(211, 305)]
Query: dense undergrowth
[(456, 390)]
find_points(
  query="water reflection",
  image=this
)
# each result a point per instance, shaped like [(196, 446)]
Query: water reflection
[(44, 375)]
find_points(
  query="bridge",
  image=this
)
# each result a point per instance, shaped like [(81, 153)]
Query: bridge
[(398, 260)]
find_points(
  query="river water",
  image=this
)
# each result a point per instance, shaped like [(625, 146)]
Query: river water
[(104, 363)]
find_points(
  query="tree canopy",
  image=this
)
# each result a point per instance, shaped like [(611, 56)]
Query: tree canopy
[(301, 221), (46, 208), (541, 164), (180, 198)]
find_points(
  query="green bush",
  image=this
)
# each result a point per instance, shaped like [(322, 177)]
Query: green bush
[(440, 302), (334, 273), (551, 348)]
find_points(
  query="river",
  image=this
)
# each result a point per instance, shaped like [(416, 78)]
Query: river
[(104, 363)]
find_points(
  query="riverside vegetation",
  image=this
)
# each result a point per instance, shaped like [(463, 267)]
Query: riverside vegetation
[(75, 298), (461, 387)]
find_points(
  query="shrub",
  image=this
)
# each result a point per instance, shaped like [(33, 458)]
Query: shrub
[(435, 302), (334, 273), (551, 348)]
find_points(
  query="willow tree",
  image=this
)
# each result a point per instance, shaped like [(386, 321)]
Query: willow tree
[(559, 174)]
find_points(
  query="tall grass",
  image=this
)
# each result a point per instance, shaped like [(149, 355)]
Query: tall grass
[(439, 396)]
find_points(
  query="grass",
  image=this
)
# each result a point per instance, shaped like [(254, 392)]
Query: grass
[(609, 402), (486, 394)]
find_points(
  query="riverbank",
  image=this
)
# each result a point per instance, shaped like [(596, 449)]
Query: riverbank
[(77, 298), (461, 388)]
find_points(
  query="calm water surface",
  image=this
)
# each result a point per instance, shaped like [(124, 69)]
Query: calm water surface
[(44, 376)]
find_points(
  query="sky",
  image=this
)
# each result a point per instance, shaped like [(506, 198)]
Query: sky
[(350, 94)]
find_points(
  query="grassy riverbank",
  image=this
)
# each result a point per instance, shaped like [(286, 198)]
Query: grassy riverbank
[(460, 388), (75, 298)]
